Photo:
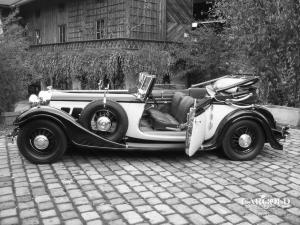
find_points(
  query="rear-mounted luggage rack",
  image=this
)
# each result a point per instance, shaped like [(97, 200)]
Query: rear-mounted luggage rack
[(245, 83), (244, 75)]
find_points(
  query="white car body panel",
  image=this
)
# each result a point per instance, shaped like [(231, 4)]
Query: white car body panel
[(214, 115), (134, 114), (205, 126), (67, 104), (198, 134)]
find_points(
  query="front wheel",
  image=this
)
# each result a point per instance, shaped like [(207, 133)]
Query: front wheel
[(243, 140), (42, 141)]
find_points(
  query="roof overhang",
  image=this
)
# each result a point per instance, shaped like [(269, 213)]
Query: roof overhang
[(21, 2), (14, 3)]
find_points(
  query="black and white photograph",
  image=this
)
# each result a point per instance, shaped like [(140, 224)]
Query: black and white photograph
[(145, 112)]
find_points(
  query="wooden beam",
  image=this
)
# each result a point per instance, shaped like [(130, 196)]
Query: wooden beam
[(128, 4), (163, 20)]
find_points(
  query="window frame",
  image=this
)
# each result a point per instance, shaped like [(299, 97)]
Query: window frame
[(62, 33), (100, 29), (37, 37)]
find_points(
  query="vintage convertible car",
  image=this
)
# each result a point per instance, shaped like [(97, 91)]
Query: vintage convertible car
[(223, 114)]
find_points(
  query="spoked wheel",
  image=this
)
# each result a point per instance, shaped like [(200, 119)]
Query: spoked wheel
[(42, 141), (107, 120), (104, 122), (243, 140)]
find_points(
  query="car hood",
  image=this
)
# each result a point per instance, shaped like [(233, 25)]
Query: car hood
[(116, 95)]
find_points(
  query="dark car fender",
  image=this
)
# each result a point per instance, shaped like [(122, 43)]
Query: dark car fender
[(75, 133), (258, 114)]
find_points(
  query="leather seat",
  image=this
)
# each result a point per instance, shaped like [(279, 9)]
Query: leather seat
[(162, 121), (197, 93), (180, 106)]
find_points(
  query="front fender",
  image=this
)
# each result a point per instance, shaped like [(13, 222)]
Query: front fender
[(259, 115), (76, 133)]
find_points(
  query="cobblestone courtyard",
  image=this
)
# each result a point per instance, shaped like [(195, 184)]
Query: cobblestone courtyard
[(151, 188)]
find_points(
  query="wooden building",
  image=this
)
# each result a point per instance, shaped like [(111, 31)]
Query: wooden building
[(63, 25), (105, 23), (129, 24)]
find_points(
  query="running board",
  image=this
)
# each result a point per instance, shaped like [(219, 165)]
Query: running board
[(156, 146)]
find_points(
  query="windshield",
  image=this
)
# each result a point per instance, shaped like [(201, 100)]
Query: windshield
[(146, 83), (145, 86)]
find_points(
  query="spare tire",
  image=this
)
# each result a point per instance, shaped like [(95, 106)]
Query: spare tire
[(107, 120)]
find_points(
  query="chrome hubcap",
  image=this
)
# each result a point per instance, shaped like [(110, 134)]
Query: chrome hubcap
[(245, 141), (41, 142), (103, 123)]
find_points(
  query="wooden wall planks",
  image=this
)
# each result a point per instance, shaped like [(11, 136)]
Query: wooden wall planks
[(179, 18), (162, 20)]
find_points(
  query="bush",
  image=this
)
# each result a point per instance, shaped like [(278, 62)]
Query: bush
[(266, 34), (202, 55), (13, 79)]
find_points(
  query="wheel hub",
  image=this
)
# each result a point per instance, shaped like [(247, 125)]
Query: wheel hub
[(103, 123), (245, 141), (41, 142)]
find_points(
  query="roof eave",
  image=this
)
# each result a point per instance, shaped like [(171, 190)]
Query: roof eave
[(21, 2)]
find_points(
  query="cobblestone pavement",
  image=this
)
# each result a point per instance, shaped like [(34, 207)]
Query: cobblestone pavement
[(151, 188)]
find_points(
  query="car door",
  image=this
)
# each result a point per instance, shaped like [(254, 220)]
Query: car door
[(195, 133)]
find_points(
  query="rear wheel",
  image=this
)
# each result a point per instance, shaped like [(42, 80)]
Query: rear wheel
[(42, 141), (243, 140)]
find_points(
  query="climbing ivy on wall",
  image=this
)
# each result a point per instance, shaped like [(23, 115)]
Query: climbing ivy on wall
[(119, 67)]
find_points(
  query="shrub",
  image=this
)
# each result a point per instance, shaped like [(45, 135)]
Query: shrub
[(266, 34), (201, 56), (13, 78)]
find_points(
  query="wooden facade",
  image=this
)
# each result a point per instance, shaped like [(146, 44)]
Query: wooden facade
[(106, 23), (179, 18)]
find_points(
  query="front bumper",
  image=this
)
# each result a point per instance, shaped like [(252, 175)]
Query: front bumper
[(10, 138)]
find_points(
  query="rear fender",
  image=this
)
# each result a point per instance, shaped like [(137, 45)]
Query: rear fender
[(263, 118), (267, 114), (76, 133)]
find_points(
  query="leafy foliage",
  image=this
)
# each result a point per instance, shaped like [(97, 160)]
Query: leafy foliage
[(266, 33), (119, 67), (13, 47), (201, 56)]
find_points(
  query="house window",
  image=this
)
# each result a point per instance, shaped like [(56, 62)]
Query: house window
[(62, 33), (37, 36), (100, 29)]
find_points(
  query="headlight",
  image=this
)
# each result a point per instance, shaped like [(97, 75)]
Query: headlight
[(33, 99), (45, 96)]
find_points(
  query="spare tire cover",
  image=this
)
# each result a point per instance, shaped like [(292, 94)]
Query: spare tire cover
[(108, 120)]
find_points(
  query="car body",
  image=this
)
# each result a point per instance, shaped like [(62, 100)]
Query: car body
[(223, 114)]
